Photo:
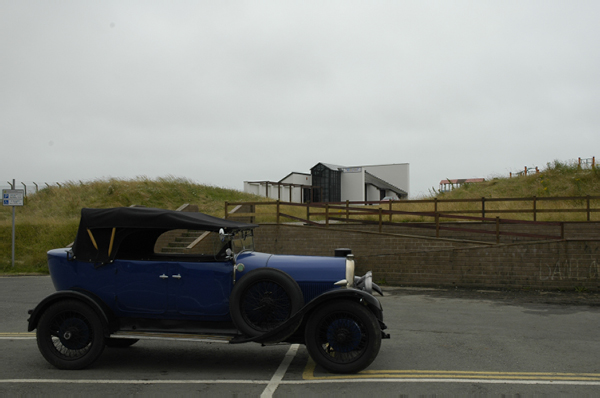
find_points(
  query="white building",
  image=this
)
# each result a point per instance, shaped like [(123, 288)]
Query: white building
[(335, 183)]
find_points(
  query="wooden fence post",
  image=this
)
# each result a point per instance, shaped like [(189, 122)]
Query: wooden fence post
[(437, 224), (347, 210), (588, 208), (497, 230), (391, 210), (327, 215), (277, 211), (226, 209), (483, 207), (307, 211), (380, 218)]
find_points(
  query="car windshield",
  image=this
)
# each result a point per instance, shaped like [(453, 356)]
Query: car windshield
[(242, 241)]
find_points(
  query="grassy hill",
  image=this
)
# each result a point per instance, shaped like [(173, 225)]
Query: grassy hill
[(558, 179), (50, 217)]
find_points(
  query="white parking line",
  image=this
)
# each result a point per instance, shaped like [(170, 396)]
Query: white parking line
[(280, 372), (17, 336)]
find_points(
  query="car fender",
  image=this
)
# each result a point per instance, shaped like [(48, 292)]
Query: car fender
[(346, 294), (338, 294), (109, 322)]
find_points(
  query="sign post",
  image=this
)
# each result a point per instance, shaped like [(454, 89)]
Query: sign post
[(14, 198)]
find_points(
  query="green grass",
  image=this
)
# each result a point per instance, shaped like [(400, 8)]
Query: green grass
[(557, 179), (50, 217), (167, 193), (32, 241)]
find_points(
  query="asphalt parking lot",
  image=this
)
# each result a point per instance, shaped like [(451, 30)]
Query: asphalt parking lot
[(443, 342)]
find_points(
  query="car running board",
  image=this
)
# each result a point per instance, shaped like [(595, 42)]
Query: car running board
[(207, 338)]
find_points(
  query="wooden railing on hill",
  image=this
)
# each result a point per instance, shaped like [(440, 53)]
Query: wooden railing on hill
[(533, 202), (384, 213)]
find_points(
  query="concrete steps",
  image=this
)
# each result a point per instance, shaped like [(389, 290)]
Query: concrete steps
[(179, 243)]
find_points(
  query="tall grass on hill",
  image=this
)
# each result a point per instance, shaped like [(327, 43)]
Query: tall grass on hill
[(167, 193), (556, 180), (50, 217), (32, 241)]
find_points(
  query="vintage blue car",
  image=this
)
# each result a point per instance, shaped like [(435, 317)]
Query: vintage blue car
[(115, 286)]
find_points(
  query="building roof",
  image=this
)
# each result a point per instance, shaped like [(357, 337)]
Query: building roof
[(294, 173), (382, 184), (462, 181), (330, 166)]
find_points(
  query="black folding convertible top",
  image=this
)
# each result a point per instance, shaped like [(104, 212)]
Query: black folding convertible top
[(144, 217), (102, 231)]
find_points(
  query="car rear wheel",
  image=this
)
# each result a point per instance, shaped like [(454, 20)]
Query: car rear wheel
[(70, 335), (264, 299), (343, 337)]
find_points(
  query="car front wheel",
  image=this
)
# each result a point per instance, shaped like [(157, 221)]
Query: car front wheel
[(343, 337), (264, 299), (70, 335)]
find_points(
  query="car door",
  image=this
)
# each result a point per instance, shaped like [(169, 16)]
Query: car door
[(141, 287), (201, 289)]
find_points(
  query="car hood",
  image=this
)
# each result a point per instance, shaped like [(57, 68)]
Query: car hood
[(301, 268)]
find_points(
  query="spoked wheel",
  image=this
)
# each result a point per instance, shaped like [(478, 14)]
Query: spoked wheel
[(70, 335), (343, 337), (264, 299)]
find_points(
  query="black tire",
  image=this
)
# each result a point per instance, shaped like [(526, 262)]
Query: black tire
[(70, 335), (343, 336), (120, 343), (263, 299)]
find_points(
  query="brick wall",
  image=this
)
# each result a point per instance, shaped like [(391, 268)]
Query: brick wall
[(425, 261)]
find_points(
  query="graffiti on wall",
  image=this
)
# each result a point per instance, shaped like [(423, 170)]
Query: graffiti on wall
[(570, 269)]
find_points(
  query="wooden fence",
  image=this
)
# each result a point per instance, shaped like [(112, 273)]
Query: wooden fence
[(388, 213)]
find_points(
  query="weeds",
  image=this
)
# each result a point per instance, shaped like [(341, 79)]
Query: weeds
[(50, 217)]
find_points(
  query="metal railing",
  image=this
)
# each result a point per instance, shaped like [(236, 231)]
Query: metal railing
[(31, 187)]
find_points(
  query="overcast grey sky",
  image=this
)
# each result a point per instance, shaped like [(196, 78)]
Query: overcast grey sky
[(221, 92)]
